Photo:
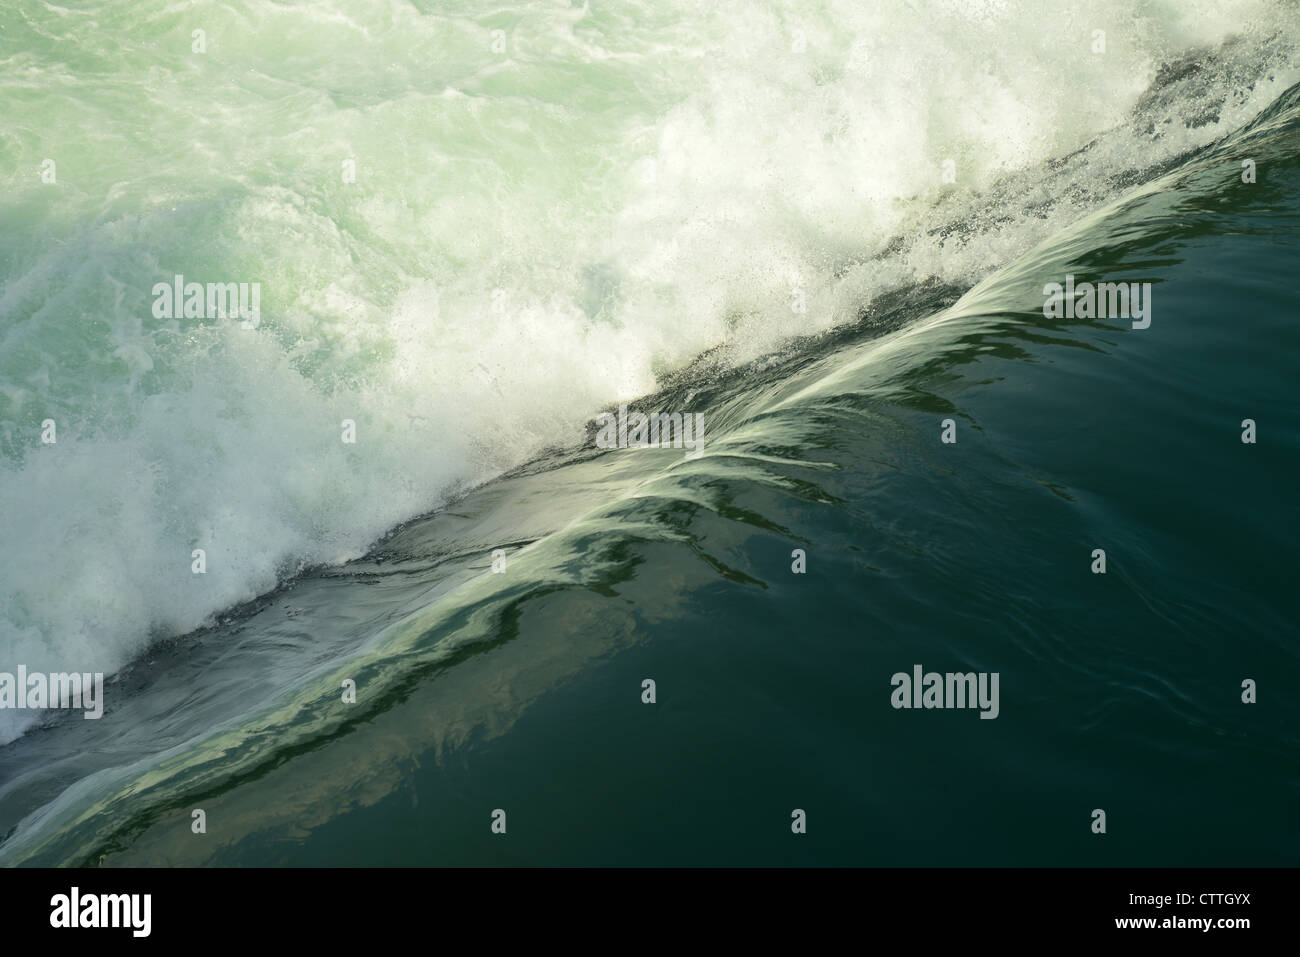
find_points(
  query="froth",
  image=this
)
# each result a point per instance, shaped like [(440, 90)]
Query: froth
[(531, 236)]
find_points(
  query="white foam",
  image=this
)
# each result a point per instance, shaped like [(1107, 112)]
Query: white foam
[(532, 236)]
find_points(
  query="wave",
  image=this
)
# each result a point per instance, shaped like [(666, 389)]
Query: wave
[(575, 210), (601, 538)]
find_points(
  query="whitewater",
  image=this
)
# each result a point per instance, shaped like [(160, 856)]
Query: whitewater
[(474, 229)]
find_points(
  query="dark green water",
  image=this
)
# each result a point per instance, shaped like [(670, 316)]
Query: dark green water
[(522, 691)]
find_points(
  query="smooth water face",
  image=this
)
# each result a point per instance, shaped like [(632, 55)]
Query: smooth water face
[(472, 232), (553, 206)]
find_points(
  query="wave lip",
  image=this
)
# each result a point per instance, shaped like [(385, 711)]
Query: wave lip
[(598, 207), (820, 438)]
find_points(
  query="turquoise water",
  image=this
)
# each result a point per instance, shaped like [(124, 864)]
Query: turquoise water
[(620, 205)]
